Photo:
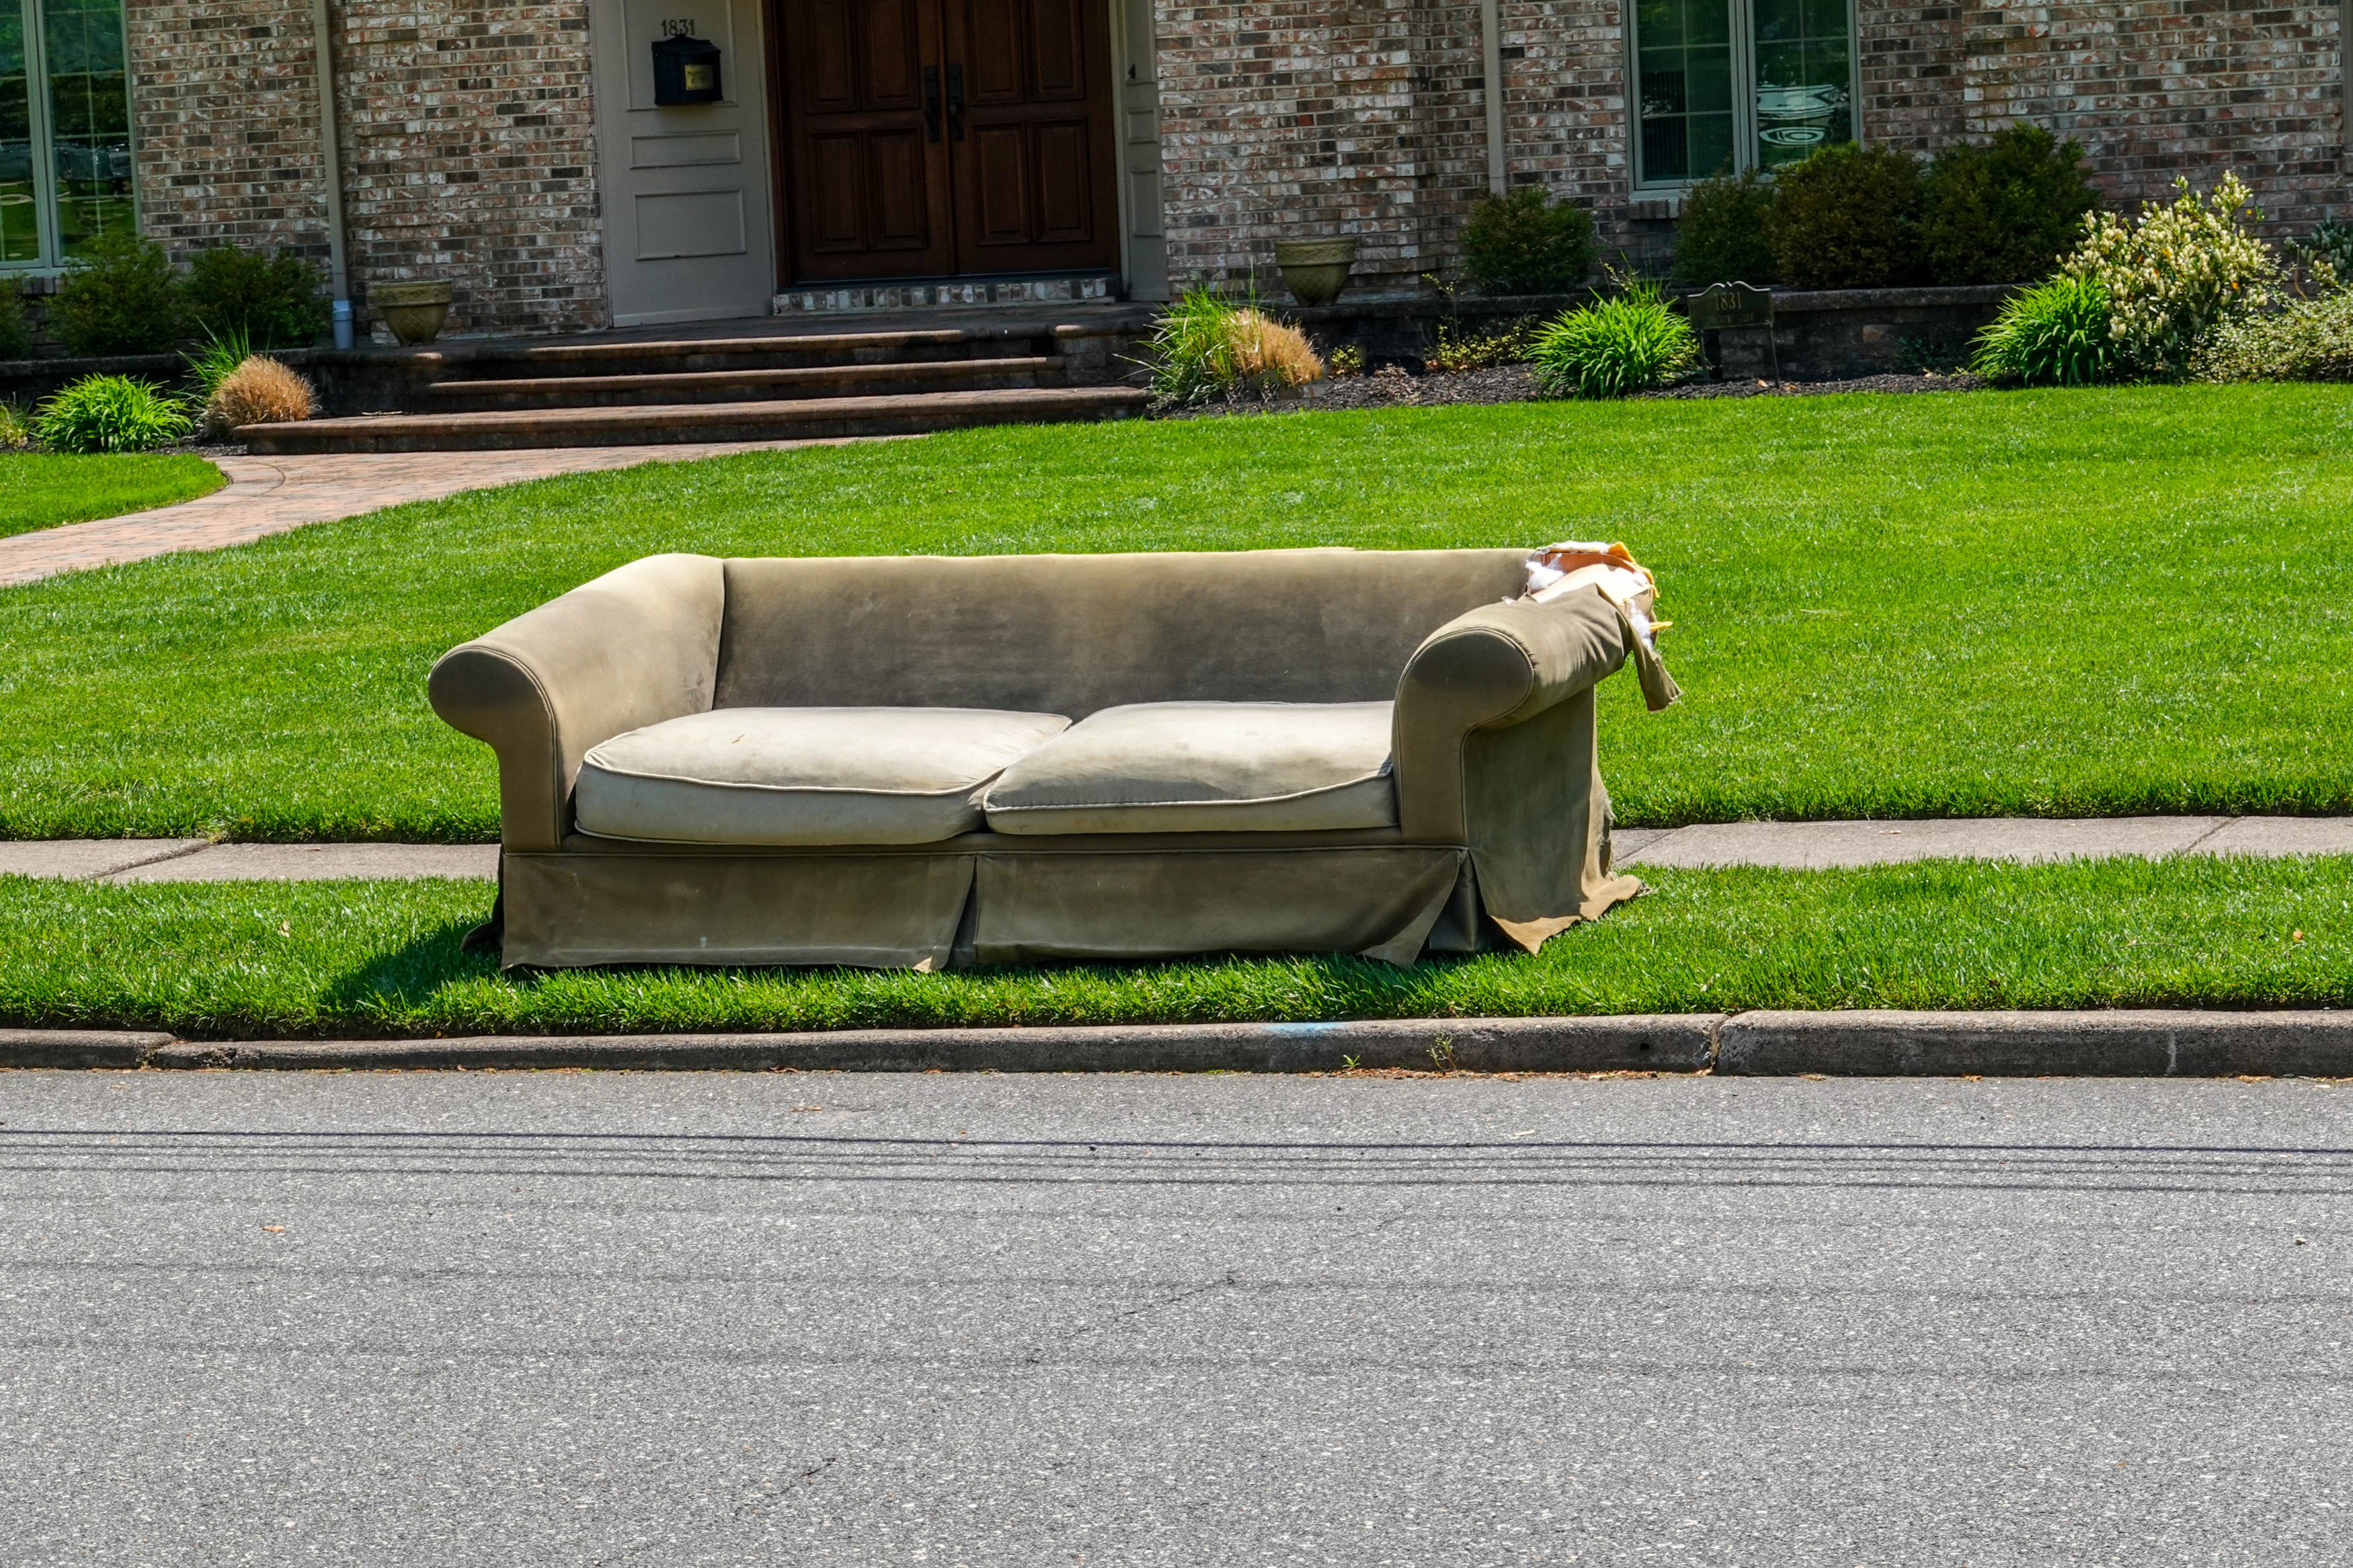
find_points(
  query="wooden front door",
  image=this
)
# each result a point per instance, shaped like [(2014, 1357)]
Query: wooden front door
[(928, 138)]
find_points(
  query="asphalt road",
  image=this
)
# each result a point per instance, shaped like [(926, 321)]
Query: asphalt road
[(613, 1319)]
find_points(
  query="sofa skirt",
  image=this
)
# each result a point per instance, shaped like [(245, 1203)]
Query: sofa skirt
[(983, 902)]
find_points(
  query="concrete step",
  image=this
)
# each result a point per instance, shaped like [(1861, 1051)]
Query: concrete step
[(767, 350), (648, 424), (746, 385)]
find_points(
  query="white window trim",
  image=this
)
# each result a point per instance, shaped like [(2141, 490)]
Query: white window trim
[(1743, 22)]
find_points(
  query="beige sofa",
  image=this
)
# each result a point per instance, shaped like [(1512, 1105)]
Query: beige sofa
[(915, 762)]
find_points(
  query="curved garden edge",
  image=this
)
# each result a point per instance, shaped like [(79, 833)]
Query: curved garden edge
[(41, 490)]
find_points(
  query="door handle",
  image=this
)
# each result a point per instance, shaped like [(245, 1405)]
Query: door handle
[(932, 102), (955, 102)]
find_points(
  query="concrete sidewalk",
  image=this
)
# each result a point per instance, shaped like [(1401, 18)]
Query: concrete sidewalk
[(1793, 844)]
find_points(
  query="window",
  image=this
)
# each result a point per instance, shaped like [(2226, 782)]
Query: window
[(1738, 83), (65, 129)]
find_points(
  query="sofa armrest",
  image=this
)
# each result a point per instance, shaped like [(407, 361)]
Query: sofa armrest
[(633, 648), (1494, 666)]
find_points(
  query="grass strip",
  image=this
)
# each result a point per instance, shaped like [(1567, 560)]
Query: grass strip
[(42, 489), (2058, 602), (371, 959)]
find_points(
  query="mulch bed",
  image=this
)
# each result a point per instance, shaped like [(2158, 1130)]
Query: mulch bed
[(1393, 386)]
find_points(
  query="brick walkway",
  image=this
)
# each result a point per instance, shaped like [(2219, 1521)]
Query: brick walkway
[(271, 495)]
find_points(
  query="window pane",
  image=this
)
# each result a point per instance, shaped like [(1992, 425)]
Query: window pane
[(20, 229), (1805, 83), (90, 117), (1683, 99)]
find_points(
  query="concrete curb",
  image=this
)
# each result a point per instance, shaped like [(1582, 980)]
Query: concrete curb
[(79, 1047), (1680, 1042), (2152, 1043)]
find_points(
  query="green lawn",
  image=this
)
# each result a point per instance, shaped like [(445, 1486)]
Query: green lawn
[(229, 960), (42, 489), (2057, 603)]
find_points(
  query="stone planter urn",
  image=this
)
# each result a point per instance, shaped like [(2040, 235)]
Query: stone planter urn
[(1315, 270), (413, 311)]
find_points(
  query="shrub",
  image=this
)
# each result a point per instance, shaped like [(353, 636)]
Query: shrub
[(260, 392), (15, 332), (120, 298), (2332, 243), (210, 365), (1846, 217), (2179, 273), (274, 300), (1457, 349), (2055, 335), (109, 414), (15, 429), (2006, 212), (1527, 243), (1721, 236), (1206, 345), (1615, 347), (2310, 340), (1349, 359)]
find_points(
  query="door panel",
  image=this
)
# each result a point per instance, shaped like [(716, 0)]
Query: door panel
[(1065, 215), (1058, 52), (1038, 156), (991, 49), (869, 166), (1139, 100), (686, 187), (926, 138)]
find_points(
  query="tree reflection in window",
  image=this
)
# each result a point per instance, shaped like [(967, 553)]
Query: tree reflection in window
[(90, 119), (20, 227), (1689, 55)]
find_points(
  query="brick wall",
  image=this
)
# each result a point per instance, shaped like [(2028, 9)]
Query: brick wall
[(465, 141), (2152, 89), (467, 152), (1390, 96)]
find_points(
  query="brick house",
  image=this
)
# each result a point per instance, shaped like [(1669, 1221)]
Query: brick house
[(843, 151)]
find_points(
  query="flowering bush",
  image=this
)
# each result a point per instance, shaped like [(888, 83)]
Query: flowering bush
[(2177, 275)]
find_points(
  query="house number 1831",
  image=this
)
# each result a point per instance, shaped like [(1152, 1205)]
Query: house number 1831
[(678, 27)]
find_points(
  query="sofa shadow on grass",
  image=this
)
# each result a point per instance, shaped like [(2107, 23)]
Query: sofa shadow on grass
[(408, 983)]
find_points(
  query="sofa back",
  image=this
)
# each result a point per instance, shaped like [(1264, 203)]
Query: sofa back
[(1070, 634)]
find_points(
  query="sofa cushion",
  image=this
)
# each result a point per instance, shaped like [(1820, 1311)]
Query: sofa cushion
[(1204, 767), (802, 775)]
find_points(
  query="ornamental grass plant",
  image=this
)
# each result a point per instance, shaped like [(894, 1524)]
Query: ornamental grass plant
[(2054, 334), (261, 391), (1206, 345), (110, 414), (1628, 343)]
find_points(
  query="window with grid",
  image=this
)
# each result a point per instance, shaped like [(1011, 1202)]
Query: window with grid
[(65, 129), (1736, 84)]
